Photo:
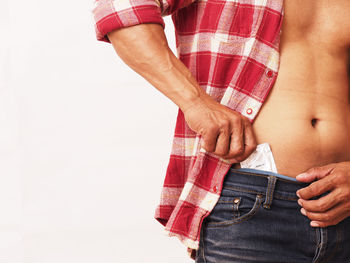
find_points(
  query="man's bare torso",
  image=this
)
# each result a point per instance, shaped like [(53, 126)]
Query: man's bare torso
[(306, 118)]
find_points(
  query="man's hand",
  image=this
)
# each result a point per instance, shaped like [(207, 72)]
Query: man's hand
[(225, 132), (335, 206)]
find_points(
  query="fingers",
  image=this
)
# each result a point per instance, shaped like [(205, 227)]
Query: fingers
[(322, 204), (237, 140), (231, 137), (249, 140), (242, 142), (316, 188), (328, 218), (335, 206), (327, 183), (223, 141), (315, 173), (230, 142), (210, 138)]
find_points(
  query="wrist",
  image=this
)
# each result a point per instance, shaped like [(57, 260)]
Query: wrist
[(202, 99)]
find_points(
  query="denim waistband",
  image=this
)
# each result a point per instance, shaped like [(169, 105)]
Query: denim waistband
[(266, 173), (267, 183)]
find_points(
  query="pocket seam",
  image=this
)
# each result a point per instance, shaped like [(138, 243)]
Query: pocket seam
[(245, 217)]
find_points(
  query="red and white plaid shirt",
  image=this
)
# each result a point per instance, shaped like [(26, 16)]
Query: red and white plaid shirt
[(232, 49)]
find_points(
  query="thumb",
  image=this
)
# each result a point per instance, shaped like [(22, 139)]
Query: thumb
[(315, 173)]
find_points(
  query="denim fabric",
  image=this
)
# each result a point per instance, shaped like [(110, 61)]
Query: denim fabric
[(258, 219)]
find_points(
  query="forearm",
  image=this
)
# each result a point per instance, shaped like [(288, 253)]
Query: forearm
[(145, 49)]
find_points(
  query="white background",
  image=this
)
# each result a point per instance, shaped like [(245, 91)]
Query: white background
[(81, 164)]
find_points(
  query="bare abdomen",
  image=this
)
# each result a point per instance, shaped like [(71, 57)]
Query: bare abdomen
[(306, 118), (301, 141)]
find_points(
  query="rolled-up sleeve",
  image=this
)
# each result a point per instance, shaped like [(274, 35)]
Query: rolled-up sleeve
[(113, 14)]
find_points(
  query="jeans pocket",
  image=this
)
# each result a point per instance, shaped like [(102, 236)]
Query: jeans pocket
[(233, 207)]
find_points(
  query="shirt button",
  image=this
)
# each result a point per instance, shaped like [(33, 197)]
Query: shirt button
[(249, 111), (215, 189), (269, 73)]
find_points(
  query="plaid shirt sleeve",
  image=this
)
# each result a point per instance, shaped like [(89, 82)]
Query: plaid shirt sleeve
[(114, 14)]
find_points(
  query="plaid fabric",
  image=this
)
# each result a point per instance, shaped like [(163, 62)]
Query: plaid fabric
[(232, 48)]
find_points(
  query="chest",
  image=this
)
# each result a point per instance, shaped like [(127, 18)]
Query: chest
[(322, 21)]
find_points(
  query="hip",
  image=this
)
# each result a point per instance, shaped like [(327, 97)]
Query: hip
[(258, 219)]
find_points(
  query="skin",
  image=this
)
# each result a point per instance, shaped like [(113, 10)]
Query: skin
[(313, 83), (225, 132), (305, 119), (332, 208)]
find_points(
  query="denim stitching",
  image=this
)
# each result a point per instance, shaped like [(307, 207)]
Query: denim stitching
[(244, 190), (260, 193), (335, 250), (277, 196), (269, 192), (252, 212), (322, 245), (273, 187), (317, 241)]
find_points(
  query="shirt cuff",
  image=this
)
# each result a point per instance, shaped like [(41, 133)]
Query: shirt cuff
[(111, 15)]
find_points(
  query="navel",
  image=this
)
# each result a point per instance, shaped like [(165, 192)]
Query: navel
[(314, 122)]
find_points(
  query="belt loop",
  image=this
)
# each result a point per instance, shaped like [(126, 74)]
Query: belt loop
[(269, 191)]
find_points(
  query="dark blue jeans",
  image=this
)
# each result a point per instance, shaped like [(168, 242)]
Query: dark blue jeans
[(258, 219)]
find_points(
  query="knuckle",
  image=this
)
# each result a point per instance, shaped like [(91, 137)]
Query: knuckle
[(247, 124), (220, 154), (311, 216), (323, 207), (210, 148), (237, 120), (221, 151), (318, 207), (225, 132), (225, 124), (334, 179), (208, 145), (344, 194), (312, 189), (313, 170), (239, 150), (302, 193), (212, 127), (327, 217), (339, 178), (329, 184)]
